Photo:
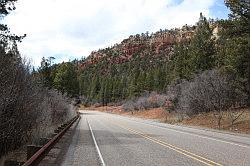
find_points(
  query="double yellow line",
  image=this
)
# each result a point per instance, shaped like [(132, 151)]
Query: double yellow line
[(173, 147)]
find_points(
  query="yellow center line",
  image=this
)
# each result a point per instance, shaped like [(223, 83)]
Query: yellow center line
[(173, 147)]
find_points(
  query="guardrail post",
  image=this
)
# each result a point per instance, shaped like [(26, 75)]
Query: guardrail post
[(35, 154), (54, 134), (61, 127), (43, 141), (56, 131)]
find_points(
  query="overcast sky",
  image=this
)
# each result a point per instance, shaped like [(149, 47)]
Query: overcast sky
[(68, 29)]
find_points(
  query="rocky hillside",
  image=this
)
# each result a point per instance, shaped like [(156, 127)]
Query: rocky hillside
[(146, 62), (157, 44)]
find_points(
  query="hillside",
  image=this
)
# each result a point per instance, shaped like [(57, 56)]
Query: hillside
[(180, 59), (137, 65), (157, 44), (190, 70)]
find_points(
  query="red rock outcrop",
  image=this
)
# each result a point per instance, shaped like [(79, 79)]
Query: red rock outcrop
[(161, 41)]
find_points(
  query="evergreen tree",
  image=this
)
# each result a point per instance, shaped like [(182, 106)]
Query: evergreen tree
[(66, 79), (202, 49), (239, 33), (45, 71), (182, 63)]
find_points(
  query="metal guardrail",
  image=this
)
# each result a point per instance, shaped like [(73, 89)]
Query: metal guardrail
[(41, 153)]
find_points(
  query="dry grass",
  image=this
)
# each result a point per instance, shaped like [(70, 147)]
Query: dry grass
[(207, 120)]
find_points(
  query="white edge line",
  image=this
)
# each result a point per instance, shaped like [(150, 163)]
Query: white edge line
[(206, 137), (96, 146)]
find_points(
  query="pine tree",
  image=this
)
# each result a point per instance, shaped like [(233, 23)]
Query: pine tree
[(182, 62), (239, 31), (66, 79), (202, 49)]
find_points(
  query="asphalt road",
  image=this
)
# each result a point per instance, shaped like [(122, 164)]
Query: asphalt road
[(113, 140)]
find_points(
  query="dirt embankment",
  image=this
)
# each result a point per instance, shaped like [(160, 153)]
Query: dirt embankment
[(207, 120)]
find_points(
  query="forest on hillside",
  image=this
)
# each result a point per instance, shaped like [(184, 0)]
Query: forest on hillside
[(199, 68)]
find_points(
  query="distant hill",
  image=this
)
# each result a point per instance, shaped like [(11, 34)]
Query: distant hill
[(136, 65), (159, 44)]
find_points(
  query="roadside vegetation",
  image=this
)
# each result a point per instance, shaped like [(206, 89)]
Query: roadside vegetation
[(28, 108)]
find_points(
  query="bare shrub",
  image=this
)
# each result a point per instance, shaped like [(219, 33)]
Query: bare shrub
[(145, 102), (174, 90), (142, 103), (53, 109), (156, 100), (173, 95), (128, 106), (27, 109), (210, 91)]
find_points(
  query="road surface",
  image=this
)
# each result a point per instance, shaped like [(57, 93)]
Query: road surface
[(113, 140)]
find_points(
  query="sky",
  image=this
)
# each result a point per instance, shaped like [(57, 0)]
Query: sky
[(70, 30)]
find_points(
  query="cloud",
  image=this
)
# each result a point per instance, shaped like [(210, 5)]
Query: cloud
[(66, 29)]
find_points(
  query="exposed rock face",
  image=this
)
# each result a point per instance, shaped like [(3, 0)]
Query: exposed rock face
[(156, 43)]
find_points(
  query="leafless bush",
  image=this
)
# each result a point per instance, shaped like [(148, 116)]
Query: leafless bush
[(141, 103), (128, 106), (210, 91), (156, 100), (152, 100), (173, 95), (26, 107), (53, 109)]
